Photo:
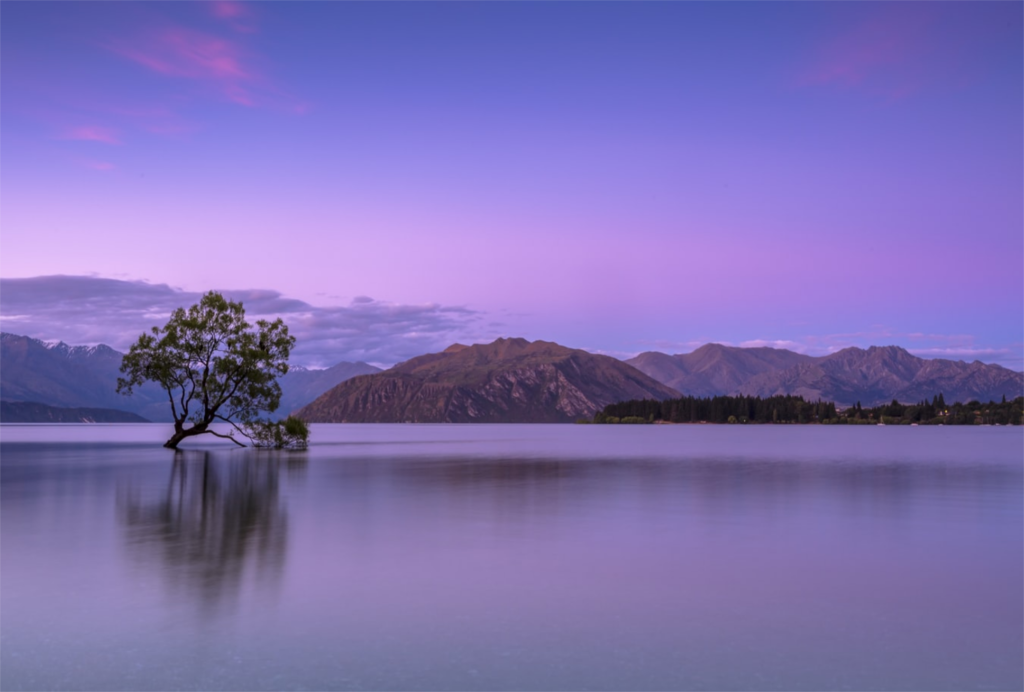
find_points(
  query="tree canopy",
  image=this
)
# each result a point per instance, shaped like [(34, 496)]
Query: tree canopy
[(216, 368)]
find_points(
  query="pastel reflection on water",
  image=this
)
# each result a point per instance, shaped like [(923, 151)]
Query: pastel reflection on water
[(515, 557), (217, 522)]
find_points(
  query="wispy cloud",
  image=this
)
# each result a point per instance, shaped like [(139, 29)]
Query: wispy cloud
[(885, 54), (225, 9), (238, 15), (667, 346), (184, 53), (92, 310), (92, 133), (613, 353), (963, 353), (774, 343), (188, 57)]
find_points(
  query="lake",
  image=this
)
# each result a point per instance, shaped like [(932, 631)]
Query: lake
[(525, 557)]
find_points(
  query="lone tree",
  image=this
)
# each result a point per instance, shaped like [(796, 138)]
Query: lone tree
[(217, 368)]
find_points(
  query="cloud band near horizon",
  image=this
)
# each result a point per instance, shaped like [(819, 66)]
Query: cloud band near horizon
[(93, 310), (89, 310)]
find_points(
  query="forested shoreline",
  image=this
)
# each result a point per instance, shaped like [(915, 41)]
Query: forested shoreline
[(789, 409)]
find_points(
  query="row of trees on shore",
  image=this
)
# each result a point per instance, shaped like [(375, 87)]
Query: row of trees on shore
[(937, 412), (719, 409), (789, 409)]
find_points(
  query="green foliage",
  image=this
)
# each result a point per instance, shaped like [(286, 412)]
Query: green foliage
[(214, 366), (291, 433)]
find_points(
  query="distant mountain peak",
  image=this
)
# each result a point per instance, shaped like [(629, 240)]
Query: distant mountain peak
[(873, 375), (455, 348), (714, 368), (509, 342), (711, 346), (892, 348), (59, 347)]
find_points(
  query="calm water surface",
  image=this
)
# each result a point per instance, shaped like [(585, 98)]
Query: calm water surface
[(514, 557)]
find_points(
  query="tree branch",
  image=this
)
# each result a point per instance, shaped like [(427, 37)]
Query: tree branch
[(226, 437), (174, 409), (233, 425)]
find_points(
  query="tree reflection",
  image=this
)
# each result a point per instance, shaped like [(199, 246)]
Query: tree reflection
[(219, 527)]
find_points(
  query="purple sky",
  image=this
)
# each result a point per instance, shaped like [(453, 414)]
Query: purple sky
[(617, 177)]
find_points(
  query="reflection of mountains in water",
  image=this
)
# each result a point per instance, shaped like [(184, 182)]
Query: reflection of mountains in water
[(721, 484), (218, 521)]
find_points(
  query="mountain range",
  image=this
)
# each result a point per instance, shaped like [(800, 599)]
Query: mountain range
[(507, 381), (515, 380), (65, 376), (71, 377), (32, 412), (872, 376), (714, 369), (301, 385)]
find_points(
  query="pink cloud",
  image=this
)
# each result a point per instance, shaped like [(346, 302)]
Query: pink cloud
[(774, 343), (225, 9), (178, 52), (92, 133), (962, 352), (188, 54), (236, 14), (886, 54), (100, 165), (239, 95)]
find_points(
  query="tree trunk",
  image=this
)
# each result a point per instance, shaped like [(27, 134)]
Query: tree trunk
[(180, 433)]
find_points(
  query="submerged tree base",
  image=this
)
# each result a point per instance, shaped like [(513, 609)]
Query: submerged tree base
[(198, 429), (291, 433)]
